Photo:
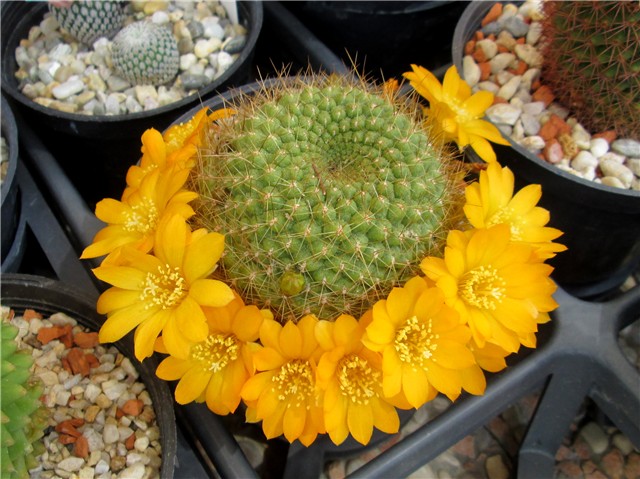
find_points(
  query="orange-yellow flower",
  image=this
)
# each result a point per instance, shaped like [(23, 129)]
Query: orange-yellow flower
[(216, 369), (490, 201), (422, 342), (351, 377), (284, 396), (133, 221), (454, 113), (164, 293), (497, 286)]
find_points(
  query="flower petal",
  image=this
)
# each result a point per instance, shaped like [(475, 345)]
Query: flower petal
[(211, 292)]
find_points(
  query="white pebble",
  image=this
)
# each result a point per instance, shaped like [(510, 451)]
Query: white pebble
[(48, 25), (503, 77), (598, 147), (529, 54), (141, 444), (212, 28), (470, 71), (509, 88), (188, 60), (71, 464), (617, 170), (503, 113), (534, 33), (533, 143), (160, 17), (611, 156), (102, 466), (634, 165), (203, 48), (224, 62), (581, 136), (142, 92), (584, 160), (49, 378), (612, 181), (489, 86), (501, 61), (531, 75), (110, 434), (135, 471), (488, 47)]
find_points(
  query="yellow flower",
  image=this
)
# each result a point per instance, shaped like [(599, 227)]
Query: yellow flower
[(490, 201), (497, 286), (177, 146), (164, 293), (454, 113), (133, 221), (489, 358), (422, 342), (216, 369), (351, 377), (284, 395)]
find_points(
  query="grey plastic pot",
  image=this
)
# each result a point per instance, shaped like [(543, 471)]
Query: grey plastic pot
[(50, 296), (601, 224)]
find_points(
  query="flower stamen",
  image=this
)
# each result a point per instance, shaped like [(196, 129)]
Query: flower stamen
[(164, 289), (415, 341), (483, 287), (216, 351), (357, 379), (294, 383), (142, 218)]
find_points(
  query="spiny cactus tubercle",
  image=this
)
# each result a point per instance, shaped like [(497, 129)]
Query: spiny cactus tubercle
[(329, 194), (22, 423), (89, 20), (591, 61), (146, 53)]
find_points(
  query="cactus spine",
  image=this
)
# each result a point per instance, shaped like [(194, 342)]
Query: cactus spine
[(329, 194), (145, 53), (592, 61), (88, 20), (22, 416)]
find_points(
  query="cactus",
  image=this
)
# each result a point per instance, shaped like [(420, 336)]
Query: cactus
[(23, 416), (329, 193), (591, 62), (89, 20), (145, 53)]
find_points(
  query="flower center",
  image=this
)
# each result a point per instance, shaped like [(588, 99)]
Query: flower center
[(415, 342), (483, 287), (164, 288), (294, 382), (142, 218), (357, 379), (506, 215), (216, 351)]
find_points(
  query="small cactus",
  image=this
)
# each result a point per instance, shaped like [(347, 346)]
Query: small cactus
[(591, 61), (145, 53), (89, 20), (23, 416), (329, 194)]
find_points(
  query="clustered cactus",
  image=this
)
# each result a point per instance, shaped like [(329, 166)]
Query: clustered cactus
[(23, 417), (329, 193), (592, 64), (145, 53), (88, 20)]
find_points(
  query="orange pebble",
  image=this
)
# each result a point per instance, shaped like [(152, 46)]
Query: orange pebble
[(66, 439), (130, 441), (479, 35), (548, 131), (85, 340), (31, 314), (469, 47), (479, 56), (560, 124), (133, 407), (499, 99), (609, 135), (46, 335), (81, 447), (493, 14), (485, 71), (78, 362), (543, 94)]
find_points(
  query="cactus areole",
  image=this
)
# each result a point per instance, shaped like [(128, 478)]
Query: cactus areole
[(328, 191)]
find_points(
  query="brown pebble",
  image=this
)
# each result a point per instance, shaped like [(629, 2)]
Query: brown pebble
[(543, 94), (81, 447), (133, 407), (553, 151), (117, 463), (130, 441), (485, 71), (493, 14), (548, 131), (568, 145), (609, 135), (85, 340), (469, 47), (46, 335), (91, 413), (30, 314), (66, 439), (78, 362), (479, 56)]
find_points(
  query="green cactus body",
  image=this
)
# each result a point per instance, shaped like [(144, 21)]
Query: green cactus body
[(329, 194), (592, 61), (145, 53), (23, 416), (89, 20)]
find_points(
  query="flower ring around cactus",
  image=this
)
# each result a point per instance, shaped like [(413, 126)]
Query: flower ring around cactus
[(314, 251)]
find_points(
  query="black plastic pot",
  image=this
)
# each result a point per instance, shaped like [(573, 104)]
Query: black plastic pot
[(601, 224), (383, 38), (96, 151), (50, 296), (12, 228)]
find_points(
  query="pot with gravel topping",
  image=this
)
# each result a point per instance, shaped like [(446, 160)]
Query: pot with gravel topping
[(103, 416), (584, 155), (99, 90)]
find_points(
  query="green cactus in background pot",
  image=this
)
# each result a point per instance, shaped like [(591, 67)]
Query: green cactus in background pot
[(146, 53), (592, 61), (89, 20), (329, 193), (23, 416)]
